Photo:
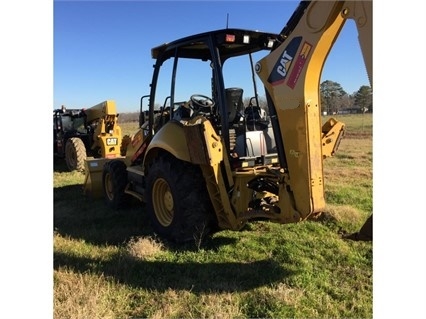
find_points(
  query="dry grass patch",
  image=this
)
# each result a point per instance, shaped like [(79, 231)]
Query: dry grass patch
[(185, 304), (285, 294), (84, 295), (144, 247), (226, 305)]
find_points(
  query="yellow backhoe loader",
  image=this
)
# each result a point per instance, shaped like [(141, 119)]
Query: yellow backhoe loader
[(80, 133), (199, 162)]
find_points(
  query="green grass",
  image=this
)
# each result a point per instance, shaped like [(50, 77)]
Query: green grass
[(109, 264)]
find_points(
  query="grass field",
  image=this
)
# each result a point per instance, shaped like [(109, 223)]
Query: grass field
[(109, 264)]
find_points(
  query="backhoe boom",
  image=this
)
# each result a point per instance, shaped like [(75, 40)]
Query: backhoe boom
[(291, 76)]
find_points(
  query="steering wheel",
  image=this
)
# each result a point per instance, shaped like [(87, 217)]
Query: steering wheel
[(199, 101)]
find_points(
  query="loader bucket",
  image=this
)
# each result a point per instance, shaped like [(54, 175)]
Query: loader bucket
[(93, 180), (365, 233)]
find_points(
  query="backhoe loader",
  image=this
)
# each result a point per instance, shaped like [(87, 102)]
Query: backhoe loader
[(86, 132), (201, 162)]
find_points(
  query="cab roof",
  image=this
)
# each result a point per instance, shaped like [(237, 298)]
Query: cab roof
[(230, 42)]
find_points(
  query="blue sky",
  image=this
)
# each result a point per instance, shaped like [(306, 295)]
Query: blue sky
[(102, 49)]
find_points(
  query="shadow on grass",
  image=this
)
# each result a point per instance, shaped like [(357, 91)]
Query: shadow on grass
[(79, 217), (59, 165), (192, 276)]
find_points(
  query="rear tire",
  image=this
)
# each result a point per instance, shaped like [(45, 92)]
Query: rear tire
[(114, 181), (75, 154), (177, 201)]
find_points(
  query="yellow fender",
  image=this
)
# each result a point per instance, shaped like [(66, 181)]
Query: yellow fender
[(171, 138), (194, 141)]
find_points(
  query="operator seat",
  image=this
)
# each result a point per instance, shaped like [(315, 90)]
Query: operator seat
[(254, 119), (252, 113), (234, 103)]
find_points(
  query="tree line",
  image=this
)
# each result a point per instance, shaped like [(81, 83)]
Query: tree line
[(334, 99)]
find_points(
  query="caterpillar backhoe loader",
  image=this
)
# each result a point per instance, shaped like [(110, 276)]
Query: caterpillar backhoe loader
[(199, 162), (81, 133)]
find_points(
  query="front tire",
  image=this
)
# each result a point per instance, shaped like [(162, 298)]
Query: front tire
[(114, 181), (75, 154), (177, 200)]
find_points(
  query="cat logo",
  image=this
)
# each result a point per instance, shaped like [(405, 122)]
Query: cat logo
[(280, 70), (111, 141)]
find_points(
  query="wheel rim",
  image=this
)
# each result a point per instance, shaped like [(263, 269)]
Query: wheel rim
[(73, 159), (108, 187), (162, 200)]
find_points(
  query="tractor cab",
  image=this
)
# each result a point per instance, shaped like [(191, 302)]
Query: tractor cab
[(213, 73)]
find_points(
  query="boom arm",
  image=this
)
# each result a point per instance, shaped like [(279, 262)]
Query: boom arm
[(291, 76)]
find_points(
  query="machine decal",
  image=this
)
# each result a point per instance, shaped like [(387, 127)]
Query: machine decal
[(137, 138), (299, 64), (112, 141), (139, 152), (294, 153), (280, 70)]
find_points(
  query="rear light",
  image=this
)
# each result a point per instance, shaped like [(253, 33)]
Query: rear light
[(230, 38)]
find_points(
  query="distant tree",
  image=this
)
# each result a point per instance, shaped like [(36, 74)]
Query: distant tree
[(331, 96), (347, 102), (364, 99)]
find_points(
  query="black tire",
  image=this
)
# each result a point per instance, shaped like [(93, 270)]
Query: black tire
[(177, 201), (75, 154), (114, 181)]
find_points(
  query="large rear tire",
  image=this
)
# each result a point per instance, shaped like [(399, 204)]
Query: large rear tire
[(75, 154), (177, 201), (114, 181)]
